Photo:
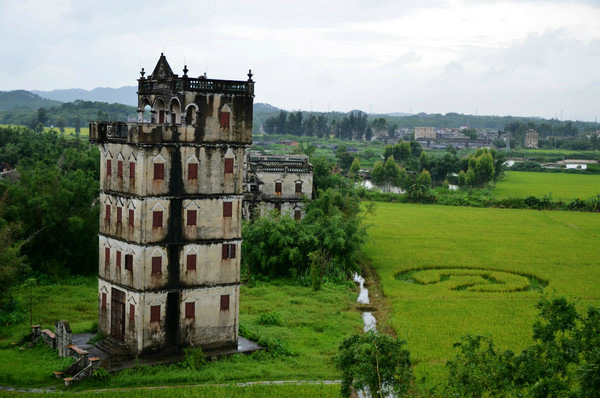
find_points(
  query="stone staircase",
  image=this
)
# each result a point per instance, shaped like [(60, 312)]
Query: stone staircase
[(116, 349)]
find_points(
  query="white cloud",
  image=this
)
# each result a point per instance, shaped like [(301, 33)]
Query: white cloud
[(521, 57)]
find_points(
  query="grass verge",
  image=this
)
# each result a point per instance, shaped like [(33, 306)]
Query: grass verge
[(311, 325)]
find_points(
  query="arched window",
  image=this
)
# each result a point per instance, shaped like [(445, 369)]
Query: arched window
[(190, 114), (159, 111), (175, 109), (144, 111)]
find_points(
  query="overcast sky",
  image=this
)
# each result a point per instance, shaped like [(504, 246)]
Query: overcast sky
[(524, 58)]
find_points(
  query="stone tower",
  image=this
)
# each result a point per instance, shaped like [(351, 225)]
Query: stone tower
[(170, 212)]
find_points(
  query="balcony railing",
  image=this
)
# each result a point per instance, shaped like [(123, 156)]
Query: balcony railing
[(203, 85)]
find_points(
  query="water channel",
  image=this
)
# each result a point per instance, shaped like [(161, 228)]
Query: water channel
[(369, 320)]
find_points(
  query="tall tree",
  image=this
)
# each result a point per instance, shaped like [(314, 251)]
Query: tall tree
[(375, 361)]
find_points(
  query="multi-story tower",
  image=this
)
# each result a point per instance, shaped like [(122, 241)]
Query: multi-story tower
[(170, 212), (531, 139)]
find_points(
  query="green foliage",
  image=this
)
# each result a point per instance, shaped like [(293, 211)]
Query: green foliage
[(277, 245), (375, 361), (272, 318), (193, 358), (479, 370), (52, 200), (69, 113), (32, 366), (323, 178), (274, 345), (13, 268), (424, 178), (100, 375), (560, 362), (323, 319), (481, 168), (355, 168), (96, 337)]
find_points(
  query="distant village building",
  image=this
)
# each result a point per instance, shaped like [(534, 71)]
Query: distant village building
[(424, 133), (531, 139), (170, 213), (276, 182)]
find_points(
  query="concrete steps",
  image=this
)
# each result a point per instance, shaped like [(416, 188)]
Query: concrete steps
[(117, 349)]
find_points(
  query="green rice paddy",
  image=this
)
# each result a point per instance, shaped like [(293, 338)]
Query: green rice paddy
[(562, 186), (449, 271)]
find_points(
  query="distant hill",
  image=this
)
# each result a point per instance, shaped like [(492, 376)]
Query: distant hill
[(21, 99), (124, 95)]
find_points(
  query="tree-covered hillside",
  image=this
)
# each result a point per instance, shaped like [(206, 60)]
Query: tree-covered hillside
[(21, 100)]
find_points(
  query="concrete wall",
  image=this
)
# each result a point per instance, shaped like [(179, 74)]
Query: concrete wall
[(210, 224), (288, 185), (211, 268), (210, 326), (212, 178)]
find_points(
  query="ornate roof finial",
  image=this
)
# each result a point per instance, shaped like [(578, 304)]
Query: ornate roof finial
[(249, 75), (185, 70), (142, 73)]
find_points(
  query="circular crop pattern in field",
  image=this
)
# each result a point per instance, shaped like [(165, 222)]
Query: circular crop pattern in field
[(473, 279)]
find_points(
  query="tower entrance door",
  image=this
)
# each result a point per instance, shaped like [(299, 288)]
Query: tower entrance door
[(117, 314)]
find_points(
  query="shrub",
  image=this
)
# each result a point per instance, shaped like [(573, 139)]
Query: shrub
[(193, 358), (100, 375), (272, 318)]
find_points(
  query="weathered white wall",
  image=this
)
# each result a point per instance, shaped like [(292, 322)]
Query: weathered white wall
[(211, 327), (211, 269), (212, 178)]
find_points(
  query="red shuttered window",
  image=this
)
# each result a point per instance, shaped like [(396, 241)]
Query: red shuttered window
[(131, 169), (159, 171), (191, 262), (119, 214), (156, 265), (224, 302), (155, 313), (131, 217), (108, 167), (107, 256), (191, 217), (227, 209), (225, 119), (107, 213), (190, 310), (229, 165), (103, 300), (228, 251), (118, 260), (131, 312), (128, 262), (120, 168), (157, 219), (192, 171)]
